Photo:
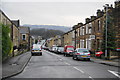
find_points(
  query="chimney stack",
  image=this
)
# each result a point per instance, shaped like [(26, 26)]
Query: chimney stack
[(99, 13), (80, 24), (87, 20), (93, 18)]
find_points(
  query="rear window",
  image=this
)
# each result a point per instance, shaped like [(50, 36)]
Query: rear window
[(61, 48), (71, 49), (83, 50), (37, 47)]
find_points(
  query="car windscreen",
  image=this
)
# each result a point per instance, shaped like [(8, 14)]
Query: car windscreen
[(61, 48), (83, 50), (71, 49), (36, 49)]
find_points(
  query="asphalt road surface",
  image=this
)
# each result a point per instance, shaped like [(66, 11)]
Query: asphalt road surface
[(51, 65)]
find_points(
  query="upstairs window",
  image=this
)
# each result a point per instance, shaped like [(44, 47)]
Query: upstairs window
[(23, 37), (99, 25)]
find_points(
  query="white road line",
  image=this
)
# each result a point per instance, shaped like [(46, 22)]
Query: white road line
[(91, 77), (115, 73), (78, 69), (60, 59), (67, 63)]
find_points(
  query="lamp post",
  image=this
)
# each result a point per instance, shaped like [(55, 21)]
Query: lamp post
[(106, 6)]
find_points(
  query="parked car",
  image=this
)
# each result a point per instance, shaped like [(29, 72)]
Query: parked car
[(54, 49), (36, 50), (60, 50), (99, 54), (81, 53), (68, 50)]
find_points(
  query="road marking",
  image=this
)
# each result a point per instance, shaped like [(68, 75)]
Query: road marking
[(67, 63), (60, 59), (91, 77), (78, 69), (115, 73)]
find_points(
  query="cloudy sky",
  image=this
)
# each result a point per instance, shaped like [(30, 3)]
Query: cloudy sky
[(52, 12)]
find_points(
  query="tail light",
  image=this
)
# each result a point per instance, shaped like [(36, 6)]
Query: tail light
[(89, 54), (78, 53)]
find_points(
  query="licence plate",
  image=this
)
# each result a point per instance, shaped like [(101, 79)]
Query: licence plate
[(36, 51), (83, 56)]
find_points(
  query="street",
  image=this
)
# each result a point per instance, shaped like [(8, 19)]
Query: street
[(51, 65)]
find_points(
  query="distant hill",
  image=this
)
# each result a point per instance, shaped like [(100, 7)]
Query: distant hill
[(45, 33), (53, 27)]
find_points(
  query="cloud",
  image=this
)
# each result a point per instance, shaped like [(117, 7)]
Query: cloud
[(58, 13)]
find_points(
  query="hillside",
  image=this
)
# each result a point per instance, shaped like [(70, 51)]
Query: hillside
[(49, 27), (45, 33)]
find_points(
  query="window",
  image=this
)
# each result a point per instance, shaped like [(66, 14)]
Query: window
[(86, 28), (83, 30), (90, 28), (88, 44), (99, 24), (23, 37), (80, 30), (81, 43)]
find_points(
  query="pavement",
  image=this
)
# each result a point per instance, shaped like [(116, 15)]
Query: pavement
[(115, 62), (15, 65)]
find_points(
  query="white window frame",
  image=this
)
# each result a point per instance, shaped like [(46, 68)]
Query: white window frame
[(99, 25), (81, 43), (22, 36), (86, 28), (83, 31), (90, 29)]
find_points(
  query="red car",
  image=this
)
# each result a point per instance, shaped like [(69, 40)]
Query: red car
[(98, 53), (68, 50)]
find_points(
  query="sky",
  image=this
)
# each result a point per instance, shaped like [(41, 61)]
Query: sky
[(52, 12)]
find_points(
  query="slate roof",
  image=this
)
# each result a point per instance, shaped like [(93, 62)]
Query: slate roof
[(24, 30)]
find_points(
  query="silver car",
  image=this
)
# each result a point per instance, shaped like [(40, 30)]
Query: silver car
[(81, 53), (36, 50)]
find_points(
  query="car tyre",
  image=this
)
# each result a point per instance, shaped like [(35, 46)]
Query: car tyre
[(73, 58), (32, 54), (88, 59)]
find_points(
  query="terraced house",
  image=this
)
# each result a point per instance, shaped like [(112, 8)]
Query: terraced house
[(91, 35), (18, 35), (14, 31)]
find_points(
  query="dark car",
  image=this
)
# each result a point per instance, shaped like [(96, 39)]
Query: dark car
[(60, 50)]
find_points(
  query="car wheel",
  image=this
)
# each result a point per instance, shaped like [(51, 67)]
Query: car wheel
[(73, 58), (65, 55), (88, 59), (102, 56)]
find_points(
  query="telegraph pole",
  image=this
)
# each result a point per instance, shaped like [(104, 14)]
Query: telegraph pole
[(106, 6)]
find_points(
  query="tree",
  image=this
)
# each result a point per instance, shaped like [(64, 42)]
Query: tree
[(111, 34), (6, 42)]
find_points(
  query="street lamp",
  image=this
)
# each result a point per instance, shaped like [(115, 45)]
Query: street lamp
[(106, 6)]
